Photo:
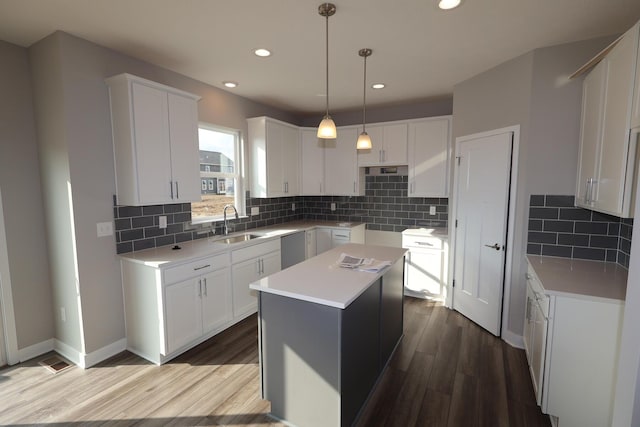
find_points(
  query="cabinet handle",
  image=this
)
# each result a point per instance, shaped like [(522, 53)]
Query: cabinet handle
[(261, 266), (384, 156), (258, 266), (425, 243), (171, 188), (354, 186), (320, 188), (205, 286), (177, 191), (201, 267), (199, 288)]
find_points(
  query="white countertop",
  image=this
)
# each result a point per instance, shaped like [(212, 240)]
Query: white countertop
[(321, 280), (165, 256), (581, 278)]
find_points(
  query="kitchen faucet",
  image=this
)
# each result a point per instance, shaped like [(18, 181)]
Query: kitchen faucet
[(224, 213)]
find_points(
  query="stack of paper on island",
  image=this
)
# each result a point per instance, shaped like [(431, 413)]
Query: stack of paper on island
[(362, 264)]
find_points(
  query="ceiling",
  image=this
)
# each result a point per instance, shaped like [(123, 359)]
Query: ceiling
[(419, 51)]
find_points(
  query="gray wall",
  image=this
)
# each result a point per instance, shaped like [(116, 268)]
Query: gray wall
[(22, 200), (532, 91)]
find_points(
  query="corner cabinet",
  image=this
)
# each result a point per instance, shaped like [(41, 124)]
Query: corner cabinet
[(155, 141), (274, 157), (607, 157), (429, 154), (389, 145)]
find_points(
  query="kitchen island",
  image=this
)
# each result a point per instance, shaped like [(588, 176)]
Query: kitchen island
[(326, 334)]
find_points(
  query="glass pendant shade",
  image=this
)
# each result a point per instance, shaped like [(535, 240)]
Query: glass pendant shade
[(364, 141), (327, 128)]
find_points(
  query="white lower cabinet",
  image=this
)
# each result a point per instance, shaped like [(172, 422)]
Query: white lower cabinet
[(249, 265), (425, 273), (168, 310), (572, 351)]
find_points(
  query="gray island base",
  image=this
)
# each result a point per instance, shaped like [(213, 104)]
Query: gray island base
[(326, 334)]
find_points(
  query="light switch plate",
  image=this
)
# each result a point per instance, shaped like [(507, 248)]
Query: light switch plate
[(162, 221), (432, 210), (255, 210), (105, 229)]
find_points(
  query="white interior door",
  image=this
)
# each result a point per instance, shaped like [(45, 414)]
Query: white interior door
[(4, 283), (482, 202)]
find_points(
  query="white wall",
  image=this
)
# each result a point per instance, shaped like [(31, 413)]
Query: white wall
[(22, 201)]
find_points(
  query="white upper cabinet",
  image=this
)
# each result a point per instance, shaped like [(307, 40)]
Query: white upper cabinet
[(429, 153), (607, 144), (635, 111), (389, 145), (341, 173), (274, 157), (311, 163), (155, 139)]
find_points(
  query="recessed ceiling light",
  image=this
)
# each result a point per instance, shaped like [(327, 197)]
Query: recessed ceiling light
[(230, 84), (448, 4), (378, 85), (262, 52)]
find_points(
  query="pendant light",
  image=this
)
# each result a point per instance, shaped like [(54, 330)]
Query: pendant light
[(364, 140), (327, 128)]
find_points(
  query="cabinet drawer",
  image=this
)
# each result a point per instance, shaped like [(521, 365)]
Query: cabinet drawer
[(423, 242), (195, 268), (253, 251)]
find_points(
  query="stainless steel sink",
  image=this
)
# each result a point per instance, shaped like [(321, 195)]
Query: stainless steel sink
[(237, 239)]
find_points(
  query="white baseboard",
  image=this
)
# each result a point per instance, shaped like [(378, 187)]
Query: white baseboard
[(105, 352), (35, 350), (87, 360), (513, 339)]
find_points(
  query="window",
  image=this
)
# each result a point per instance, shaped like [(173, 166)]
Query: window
[(220, 172)]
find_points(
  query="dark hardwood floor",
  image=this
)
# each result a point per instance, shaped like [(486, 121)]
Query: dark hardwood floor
[(446, 372)]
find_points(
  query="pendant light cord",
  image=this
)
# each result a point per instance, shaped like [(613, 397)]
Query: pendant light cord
[(327, 61), (364, 96)]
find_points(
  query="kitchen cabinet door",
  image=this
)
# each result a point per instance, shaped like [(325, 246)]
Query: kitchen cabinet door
[(185, 158), (216, 300), (429, 151), (593, 89), (183, 314), (389, 145), (635, 109), (323, 240), (311, 163), (244, 299), (310, 241), (274, 157), (152, 148), (342, 175)]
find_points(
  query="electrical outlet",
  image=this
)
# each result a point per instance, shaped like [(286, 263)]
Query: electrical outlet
[(105, 229), (432, 210), (293, 206), (162, 221), (333, 206), (63, 315), (255, 210)]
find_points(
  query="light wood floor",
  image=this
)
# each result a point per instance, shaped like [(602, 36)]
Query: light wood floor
[(446, 372)]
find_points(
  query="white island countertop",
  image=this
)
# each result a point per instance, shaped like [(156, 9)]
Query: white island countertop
[(580, 278), (321, 280)]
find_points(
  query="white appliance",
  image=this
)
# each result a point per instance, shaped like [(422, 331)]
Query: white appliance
[(425, 274)]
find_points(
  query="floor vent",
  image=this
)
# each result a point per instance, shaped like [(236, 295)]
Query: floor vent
[(55, 364)]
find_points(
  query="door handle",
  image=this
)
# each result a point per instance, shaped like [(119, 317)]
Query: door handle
[(495, 246)]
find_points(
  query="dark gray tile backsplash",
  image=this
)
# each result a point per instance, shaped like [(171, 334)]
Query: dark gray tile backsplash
[(558, 228), (385, 206)]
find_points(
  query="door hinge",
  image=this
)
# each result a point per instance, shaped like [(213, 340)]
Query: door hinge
[(453, 285), (456, 223), (458, 157)]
